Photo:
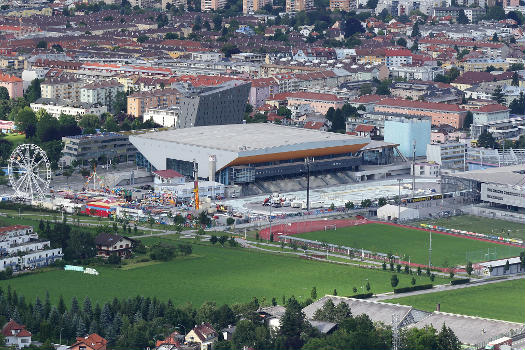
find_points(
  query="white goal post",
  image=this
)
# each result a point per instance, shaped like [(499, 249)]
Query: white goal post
[(330, 227)]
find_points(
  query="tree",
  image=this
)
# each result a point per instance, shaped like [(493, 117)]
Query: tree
[(47, 127), (507, 266), (496, 13), (4, 93), (25, 120), (33, 92), (447, 340), (462, 18), (451, 273), (68, 125), (114, 259), (371, 4), (486, 140), (42, 44), (244, 335), (469, 268), (142, 38), (415, 30), (313, 293), (230, 49), (222, 240), (469, 118), (394, 281), (110, 124), (352, 25), (89, 123), (398, 268), (293, 323), (120, 104), (217, 22), (517, 106), (367, 286), (401, 42), (383, 88), (213, 239), (365, 89), (381, 201), (515, 79), (413, 281)]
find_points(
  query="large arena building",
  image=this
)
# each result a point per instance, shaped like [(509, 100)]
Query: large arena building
[(245, 153)]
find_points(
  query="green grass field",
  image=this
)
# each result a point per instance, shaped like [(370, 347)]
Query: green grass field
[(503, 301), (481, 225), (224, 275), (15, 139), (446, 250)]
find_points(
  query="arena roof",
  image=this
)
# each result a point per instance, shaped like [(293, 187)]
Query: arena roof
[(251, 137)]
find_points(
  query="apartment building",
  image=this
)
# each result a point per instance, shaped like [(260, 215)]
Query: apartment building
[(109, 145), (252, 6), (299, 5), (491, 113), (62, 88), (57, 107), (341, 5), (318, 102), (140, 102), (20, 249), (212, 5), (14, 85), (101, 93), (168, 116), (441, 113)]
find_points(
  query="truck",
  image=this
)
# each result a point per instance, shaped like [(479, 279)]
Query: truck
[(499, 344)]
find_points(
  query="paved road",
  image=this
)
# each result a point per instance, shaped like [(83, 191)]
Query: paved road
[(518, 344), (441, 288)]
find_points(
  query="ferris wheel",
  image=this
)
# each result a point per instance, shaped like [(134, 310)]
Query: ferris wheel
[(29, 171)]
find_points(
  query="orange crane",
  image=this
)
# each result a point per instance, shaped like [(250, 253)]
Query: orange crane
[(195, 185)]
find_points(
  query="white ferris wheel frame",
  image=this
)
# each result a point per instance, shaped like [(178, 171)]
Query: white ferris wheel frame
[(31, 161)]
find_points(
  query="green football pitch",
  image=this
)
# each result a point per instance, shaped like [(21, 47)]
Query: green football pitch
[(414, 244)]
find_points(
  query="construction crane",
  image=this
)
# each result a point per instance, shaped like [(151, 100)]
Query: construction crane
[(195, 185)]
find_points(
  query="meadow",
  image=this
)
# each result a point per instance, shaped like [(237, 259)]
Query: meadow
[(503, 301), (211, 273), (446, 250)]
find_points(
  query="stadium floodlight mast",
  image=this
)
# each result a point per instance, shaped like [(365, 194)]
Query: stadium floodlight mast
[(29, 171), (307, 162)]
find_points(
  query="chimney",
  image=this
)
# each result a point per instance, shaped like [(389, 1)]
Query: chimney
[(438, 307)]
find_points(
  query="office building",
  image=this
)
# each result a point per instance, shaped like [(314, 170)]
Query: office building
[(447, 155), (99, 147), (406, 131)]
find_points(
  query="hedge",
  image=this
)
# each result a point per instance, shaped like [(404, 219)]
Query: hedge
[(412, 289), (361, 296), (460, 281)]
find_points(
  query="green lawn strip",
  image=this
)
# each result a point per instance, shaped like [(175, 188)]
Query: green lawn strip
[(503, 301), (224, 275), (446, 249)]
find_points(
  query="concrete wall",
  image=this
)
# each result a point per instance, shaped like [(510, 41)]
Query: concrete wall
[(404, 131)]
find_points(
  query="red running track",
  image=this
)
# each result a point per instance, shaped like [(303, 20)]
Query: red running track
[(295, 228)]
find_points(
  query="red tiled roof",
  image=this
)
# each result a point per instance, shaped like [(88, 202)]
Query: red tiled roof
[(168, 173), (23, 333), (480, 77), (398, 52), (263, 82), (11, 326), (93, 340), (496, 107), (6, 78), (364, 128), (205, 331), (13, 228), (367, 99), (394, 102), (314, 125)]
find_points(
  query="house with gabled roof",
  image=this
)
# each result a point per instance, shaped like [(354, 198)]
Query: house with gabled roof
[(203, 334), (109, 243), (90, 342), (16, 335)]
